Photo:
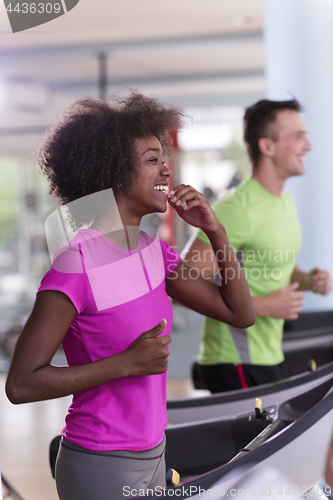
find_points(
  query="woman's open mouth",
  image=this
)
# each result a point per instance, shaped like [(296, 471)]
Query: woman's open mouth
[(163, 188)]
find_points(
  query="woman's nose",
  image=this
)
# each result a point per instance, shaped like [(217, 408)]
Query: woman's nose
[(166, 170)]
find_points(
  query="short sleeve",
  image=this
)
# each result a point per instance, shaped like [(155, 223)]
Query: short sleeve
[(235, 220), (171, 258), (74, 284)]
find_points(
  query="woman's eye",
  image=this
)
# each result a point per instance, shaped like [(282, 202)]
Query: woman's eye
[(153, 160)]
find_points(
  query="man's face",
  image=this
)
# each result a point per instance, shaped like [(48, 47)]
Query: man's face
[(291, 145)]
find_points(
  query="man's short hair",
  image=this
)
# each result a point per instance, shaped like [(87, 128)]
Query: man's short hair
[(257, 119)]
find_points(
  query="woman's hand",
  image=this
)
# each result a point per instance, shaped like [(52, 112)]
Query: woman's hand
[(148, 354), (193, 208)]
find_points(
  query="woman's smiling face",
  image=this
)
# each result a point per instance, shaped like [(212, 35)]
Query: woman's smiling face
[(149, 190)]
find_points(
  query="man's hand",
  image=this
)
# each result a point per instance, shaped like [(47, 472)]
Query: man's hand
[(148, 354), (284, 303), (320, 281)]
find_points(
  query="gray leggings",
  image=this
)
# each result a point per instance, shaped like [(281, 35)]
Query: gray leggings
[(116, 475)]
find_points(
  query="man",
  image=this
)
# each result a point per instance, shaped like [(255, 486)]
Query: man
[(261, 222)]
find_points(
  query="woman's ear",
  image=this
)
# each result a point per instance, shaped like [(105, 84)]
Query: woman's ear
[(266, 146)]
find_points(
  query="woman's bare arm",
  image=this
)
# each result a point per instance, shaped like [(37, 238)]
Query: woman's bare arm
[(32, 377), (231, 302)]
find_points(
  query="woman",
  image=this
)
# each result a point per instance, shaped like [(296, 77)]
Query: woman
[(106, 295)]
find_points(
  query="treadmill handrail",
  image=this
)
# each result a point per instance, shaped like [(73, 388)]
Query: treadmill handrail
[(267, 449), (251, 392)]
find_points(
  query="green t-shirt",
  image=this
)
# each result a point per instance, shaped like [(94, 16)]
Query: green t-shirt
[(266, 230)]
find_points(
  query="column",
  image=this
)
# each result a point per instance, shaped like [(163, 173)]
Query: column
[(299, 63)]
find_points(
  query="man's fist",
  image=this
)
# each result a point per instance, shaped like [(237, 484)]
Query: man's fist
[(320, 281), (284, 303)]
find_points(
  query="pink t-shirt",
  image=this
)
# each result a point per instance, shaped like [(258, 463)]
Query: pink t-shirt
[(118, 295)]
